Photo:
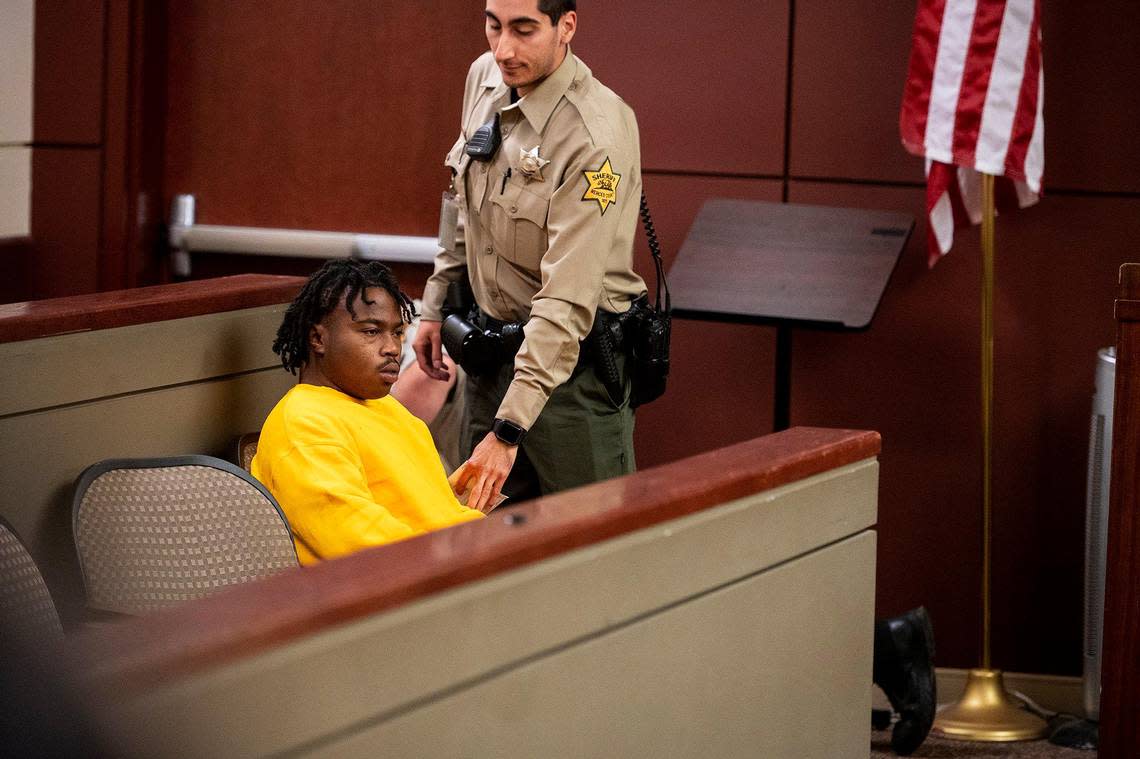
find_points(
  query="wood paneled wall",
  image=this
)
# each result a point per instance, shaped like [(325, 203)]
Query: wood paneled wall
[(96, 202), (914, 375), (338, 117), (332, 116), (66, 152)]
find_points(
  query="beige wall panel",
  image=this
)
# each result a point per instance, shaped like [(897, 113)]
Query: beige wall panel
[(42, 453), (87, 365), (773, 666), (15, 191), (387, 663), (17, 45)]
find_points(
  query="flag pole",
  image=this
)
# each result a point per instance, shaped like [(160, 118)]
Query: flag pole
[(986, 712)]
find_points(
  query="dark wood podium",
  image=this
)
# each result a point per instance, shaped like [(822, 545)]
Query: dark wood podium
[(789, 266)]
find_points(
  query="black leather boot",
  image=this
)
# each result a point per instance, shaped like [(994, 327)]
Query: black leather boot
[(903, 668)]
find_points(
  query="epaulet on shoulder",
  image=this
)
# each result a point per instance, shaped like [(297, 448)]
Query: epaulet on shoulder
[(588, 102)]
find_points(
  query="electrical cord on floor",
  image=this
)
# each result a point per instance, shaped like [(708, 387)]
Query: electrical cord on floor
[(1032, 706), (1064, 729)]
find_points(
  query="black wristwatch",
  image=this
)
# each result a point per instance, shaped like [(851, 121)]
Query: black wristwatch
[(509, 432)]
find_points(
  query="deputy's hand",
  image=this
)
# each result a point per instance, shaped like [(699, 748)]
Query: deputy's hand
[(428, 347), (486, 471)]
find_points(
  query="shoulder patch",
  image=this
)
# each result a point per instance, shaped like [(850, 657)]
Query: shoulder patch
[(602, 185)]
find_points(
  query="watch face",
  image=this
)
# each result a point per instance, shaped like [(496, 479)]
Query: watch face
[(509, 432)]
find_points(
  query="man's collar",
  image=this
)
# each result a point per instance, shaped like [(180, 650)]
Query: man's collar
[(540, 102)]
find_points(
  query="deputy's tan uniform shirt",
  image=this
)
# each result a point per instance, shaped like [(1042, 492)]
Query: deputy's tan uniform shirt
[(552, 247)]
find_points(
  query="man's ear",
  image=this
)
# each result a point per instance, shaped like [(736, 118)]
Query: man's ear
[(567, 25), (317, 340)]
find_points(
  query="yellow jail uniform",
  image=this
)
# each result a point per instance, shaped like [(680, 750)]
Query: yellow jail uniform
[(350, 474)]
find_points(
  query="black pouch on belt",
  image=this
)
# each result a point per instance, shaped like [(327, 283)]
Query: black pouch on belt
[(649, 332), (648, 328)]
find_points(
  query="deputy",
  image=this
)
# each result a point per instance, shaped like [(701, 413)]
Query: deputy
[(547, 174)]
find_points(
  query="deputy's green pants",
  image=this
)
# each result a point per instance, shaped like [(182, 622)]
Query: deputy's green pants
[(581, 436)]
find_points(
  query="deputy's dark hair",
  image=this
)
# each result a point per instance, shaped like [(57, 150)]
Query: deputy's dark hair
[(337, 279), (555, 8)]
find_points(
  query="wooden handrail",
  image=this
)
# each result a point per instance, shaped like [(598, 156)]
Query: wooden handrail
[(247, 619), (1120, 676), (121, 308)]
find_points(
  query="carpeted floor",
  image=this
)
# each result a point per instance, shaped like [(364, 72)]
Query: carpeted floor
[(947, 749)]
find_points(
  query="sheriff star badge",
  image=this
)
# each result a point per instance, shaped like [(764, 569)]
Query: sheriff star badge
[(531, 163), (603, 185)]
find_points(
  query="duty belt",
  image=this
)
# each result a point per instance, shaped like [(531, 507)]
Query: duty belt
[(611, 325), (483, 344), (487, 322)]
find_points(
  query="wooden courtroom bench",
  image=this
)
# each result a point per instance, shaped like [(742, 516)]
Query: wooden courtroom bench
[(153, 371), (718, 606)]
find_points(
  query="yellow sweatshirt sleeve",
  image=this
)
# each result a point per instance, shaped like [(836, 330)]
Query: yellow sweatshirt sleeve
[(321, 487)]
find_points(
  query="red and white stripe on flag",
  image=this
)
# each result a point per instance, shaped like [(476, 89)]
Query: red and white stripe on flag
[(973, 105)]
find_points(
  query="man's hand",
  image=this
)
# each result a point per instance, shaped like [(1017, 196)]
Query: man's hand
[(486, 472), (428, 347)]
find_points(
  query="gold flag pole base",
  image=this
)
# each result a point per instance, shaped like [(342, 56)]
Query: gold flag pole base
[(987, 713)]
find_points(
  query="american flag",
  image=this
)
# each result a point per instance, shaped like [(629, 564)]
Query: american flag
[(973, 105)]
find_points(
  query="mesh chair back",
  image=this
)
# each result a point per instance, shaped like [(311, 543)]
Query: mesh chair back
[(26, 609), (154, 532)]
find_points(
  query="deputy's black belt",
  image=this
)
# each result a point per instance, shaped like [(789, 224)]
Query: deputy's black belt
[(484, 321), (605, 337)]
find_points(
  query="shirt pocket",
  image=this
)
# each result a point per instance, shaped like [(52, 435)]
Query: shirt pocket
[(521, 214)]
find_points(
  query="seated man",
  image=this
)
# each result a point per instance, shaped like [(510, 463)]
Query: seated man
[(348, 464)]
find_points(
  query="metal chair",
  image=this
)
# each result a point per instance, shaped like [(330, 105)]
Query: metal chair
[(27, 611), (155, 532)]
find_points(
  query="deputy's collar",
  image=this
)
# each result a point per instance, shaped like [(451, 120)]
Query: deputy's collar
[(540, 102)]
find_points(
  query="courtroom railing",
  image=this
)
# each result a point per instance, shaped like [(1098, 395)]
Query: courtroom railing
[(122, 308), (186, 237), (720, 605), (246, 620)]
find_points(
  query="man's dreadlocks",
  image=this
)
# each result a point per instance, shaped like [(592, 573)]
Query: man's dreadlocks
[(337, 279)]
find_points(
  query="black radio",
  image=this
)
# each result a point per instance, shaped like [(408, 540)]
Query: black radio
[(485, 142)]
